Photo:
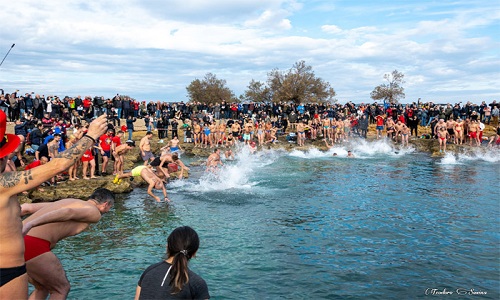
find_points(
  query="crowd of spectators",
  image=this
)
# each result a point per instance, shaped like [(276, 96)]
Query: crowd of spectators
[(38, 115)]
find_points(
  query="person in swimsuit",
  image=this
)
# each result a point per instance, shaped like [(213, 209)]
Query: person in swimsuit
[(391, 128), (174, 145), (229, 154), (162, 165), (273, 138), (214, 161), (120, 152), (222, 133), (230, 140), (116, 142), (326, 128), (442, 134), (495, 138), (197, 134), (459, 132), (13, 277), (398, 129), (246, 133), (207, 138), (150, 177), (213, 134), (450, 126), (145, 148), (301, 136), (405, 133), (50, 223), (474, 133), (235, 129)]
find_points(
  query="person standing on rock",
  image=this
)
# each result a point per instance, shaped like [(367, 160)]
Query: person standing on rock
[(105, 142), (14, 280), (119, 153), (145, 148), (48, 224)]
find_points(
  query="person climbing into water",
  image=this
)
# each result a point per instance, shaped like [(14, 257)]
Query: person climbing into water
[(147, 174)]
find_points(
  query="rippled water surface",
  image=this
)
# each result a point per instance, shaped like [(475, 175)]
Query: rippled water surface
[(388, 224)]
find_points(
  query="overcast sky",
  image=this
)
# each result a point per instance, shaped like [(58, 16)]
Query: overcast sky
[(152, 49)]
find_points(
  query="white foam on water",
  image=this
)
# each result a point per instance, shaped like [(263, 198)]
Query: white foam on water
[(236, 174), (481, 154), (368, 149), (449, 159), (310, 154), (490, 155), (360, 148)]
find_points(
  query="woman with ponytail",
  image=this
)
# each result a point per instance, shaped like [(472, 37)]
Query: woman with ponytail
[(171, 278)]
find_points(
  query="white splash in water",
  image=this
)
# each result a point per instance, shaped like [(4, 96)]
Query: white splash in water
[(236, 174), (310, 154), (449, 159), (489, 155), (472, 155), (360, 148)]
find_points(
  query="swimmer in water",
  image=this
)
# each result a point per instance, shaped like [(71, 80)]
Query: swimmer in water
[(213, 161)]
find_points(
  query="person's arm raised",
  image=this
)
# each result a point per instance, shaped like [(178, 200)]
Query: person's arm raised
[(13, 183)]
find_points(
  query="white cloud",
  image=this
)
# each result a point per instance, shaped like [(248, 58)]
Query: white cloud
[(332, 29), (156, 49)]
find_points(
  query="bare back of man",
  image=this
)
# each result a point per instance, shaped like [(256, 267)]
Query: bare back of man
[(46, 226)]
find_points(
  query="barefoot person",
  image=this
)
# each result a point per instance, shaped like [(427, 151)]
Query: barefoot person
[(442, 133), (49, 223), (145, 148), (405, 133), (14, 281), (120, 152), (105, 142), (174, 145), (171, 278), (150, 177), (164, 166), (301, 136), (474, 133)]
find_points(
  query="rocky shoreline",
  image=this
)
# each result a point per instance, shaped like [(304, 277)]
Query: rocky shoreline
[(83, 188)]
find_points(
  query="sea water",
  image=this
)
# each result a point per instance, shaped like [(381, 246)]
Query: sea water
[(387, 224)]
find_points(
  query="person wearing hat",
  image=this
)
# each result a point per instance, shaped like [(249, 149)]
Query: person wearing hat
[(13, 279)]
